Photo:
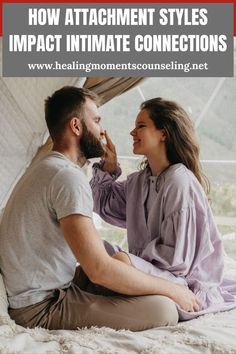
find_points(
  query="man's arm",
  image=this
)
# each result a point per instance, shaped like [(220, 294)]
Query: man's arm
[(83, 239)]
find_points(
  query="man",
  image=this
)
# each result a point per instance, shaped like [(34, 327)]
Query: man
[(47, 228)]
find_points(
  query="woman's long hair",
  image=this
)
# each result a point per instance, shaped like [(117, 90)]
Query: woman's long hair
[(181, 142)]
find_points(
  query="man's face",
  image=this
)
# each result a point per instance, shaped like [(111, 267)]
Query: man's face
[(90, 141)]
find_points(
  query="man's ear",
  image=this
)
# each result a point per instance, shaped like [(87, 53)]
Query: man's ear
[(76, 126)]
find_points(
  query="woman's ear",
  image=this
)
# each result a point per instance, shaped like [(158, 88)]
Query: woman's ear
[(163, 135), (76, 126)]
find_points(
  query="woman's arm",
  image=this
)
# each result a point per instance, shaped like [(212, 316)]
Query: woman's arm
[(109, 195)]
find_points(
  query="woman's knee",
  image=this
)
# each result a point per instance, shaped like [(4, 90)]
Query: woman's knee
[(122, 256)]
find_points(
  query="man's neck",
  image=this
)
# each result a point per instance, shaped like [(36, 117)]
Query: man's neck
[(72, 154)]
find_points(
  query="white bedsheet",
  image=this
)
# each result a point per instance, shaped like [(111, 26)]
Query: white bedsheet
[(214, 333), (207, 334)]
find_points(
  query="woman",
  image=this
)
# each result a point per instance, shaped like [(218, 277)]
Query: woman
[(170, 227)]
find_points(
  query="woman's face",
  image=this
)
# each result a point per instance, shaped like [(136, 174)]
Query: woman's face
[(147, 139)]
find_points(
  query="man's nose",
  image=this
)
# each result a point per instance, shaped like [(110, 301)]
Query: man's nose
[(102, 130)]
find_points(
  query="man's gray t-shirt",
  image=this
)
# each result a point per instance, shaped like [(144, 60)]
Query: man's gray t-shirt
[(34, 256)]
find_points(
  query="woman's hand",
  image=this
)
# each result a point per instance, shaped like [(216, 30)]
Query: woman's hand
[(110, 157), (185, 298)]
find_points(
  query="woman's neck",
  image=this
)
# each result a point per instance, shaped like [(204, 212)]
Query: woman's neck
[(158, 165)]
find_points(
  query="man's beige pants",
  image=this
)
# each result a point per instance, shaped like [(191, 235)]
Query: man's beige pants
[(85, 304)]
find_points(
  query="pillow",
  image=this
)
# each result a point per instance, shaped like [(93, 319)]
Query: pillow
[(3, 298)]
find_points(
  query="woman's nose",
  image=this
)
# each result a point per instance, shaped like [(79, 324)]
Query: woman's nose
[(133, 132)]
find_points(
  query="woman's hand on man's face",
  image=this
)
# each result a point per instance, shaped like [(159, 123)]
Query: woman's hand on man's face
[(110, 156)]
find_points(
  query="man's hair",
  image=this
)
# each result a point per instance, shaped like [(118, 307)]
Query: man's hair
[(63, 105)]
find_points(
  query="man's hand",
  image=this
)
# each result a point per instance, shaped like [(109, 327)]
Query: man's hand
[(114, 272), (110, 156), (185, 298)]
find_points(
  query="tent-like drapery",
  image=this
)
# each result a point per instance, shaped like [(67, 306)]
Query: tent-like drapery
[(24, 136), (109, 87)]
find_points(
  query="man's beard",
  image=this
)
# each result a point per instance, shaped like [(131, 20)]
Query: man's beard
[(89, 145)]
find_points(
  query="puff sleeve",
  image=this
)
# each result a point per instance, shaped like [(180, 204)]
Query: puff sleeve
[(109, 196)]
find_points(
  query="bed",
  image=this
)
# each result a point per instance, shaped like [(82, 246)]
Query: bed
[(213, 333)]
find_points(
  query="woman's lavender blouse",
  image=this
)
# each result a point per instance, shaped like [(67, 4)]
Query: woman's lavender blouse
[(178, 240)]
